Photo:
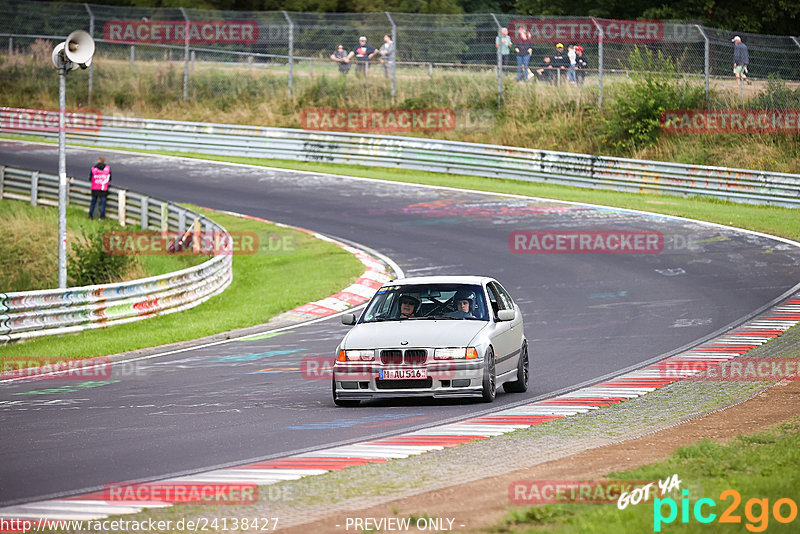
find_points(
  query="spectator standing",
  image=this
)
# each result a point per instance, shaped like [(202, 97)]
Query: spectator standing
[(523, 49), (340, 57), (100, 175), (560, 60), (387, 55), (363, 54), (572, 65), (740, 60), (503, 43), (581, 64)]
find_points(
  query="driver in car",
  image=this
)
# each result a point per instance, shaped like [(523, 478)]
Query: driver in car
[(463, 301), (408, 306)]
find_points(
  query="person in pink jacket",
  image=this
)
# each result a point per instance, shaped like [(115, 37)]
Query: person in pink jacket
[(100, 175)]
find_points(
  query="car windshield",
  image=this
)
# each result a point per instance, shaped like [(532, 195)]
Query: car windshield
[(397, 302)]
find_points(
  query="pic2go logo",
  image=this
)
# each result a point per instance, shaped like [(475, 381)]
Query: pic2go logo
[(783, 511)]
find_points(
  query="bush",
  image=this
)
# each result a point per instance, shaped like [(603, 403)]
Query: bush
[(91, 264), (634, 119)]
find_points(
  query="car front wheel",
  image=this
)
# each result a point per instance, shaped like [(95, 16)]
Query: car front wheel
[(342, 402), (489, 379)]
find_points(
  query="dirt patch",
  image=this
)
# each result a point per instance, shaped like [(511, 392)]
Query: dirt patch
[(478, 504)]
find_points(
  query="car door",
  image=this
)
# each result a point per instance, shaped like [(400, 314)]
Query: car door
[(506, 338)]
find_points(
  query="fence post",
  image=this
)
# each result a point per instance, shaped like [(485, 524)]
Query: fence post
[(91, 65), (2, 179), (186, 55), (311, 68), (192, 60), (122, 199), (599, 63), (499, 60), (144, 206), (393, 60), (133, 55), (10, 46), (164, 218), (707, 61), (291, 50)]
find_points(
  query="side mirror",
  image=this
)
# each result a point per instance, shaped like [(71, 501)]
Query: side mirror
[(349, 318), (506, 315)]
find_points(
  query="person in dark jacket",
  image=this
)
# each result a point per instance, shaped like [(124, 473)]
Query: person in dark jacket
[(581, 64), (560, 60), (100, 175), (740, 60)]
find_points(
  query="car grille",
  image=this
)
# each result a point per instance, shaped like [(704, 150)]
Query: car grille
[(409, 356), (423, 383), (392, 357)]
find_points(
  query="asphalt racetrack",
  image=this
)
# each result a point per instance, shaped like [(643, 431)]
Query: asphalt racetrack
[(586, 316)]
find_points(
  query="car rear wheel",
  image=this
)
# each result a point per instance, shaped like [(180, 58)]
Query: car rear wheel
[(489, 378), (349, 403), (520, 385)]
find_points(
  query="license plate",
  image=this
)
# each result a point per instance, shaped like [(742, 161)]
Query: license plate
[(402, 374)]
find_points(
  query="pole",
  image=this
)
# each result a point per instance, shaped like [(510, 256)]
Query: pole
[(707, 62), (291, 51), (599, 63), (185, 56), (91, 65), (393, 60), (499, 61), (62, 178)]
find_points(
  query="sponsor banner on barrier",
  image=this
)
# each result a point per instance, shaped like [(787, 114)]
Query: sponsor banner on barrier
[(730, 120), (569, 31), (367, 120), (46, 120), (585, 242), (174, 31), (737, 370), (54, 368), (204, 493)]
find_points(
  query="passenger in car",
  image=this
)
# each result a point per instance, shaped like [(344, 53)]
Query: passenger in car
[(408, 306)]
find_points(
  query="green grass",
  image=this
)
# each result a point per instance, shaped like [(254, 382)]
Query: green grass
[(264, 285), (29, 258), (760, 466)]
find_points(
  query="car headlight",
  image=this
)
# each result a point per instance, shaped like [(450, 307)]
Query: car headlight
[(455, 353), (356, 355)]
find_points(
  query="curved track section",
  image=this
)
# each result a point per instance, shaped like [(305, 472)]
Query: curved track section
[(588, 316)]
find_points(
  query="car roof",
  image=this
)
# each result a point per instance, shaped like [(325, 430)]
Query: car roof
[(449, 279)]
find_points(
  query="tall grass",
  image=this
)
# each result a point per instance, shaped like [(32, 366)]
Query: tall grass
[(531, 115)]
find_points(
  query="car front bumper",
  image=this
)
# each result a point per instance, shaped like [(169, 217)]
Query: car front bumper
[(445, 379)]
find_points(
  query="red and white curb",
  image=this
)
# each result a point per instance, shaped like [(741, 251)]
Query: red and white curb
[(739, 341)]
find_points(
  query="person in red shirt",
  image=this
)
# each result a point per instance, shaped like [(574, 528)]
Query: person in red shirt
[(100, 175)]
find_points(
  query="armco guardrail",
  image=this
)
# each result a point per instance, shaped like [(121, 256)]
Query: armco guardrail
[(495, 161), (29, 314)]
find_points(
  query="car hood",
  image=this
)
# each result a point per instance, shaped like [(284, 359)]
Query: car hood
[(416, 333)]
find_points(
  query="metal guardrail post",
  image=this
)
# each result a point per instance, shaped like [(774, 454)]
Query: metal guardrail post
[(2, 179), (291, 51), (499, 61), (181, 220), (707, 59), (121, 207), (34, 187), (91, 65), (393, 61), (144, 209), (599, 63), (186, 55), (164, 218)]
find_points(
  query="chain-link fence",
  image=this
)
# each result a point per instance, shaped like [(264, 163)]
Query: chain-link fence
[(400, 48)]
